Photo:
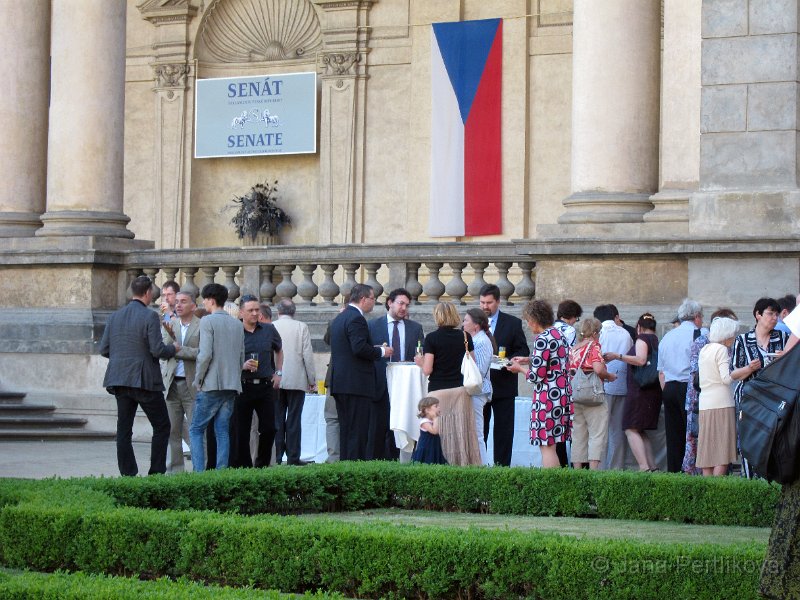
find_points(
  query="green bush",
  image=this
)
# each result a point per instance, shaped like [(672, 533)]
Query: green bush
[(519, 491), (79, 586)]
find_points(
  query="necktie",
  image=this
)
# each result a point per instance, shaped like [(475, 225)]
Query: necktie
[(395, 343)]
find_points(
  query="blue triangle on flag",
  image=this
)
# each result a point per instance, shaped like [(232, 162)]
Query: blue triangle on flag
[(465, 46)]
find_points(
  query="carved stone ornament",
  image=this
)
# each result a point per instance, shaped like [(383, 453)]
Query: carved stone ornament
[(171, 75), (336, 63), (161, 12), (241, 31)]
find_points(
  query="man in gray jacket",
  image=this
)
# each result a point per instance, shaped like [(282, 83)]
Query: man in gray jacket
[(218, 376), (132, 343)]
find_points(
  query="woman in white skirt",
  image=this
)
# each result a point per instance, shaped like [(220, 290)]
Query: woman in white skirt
[(716, 441)]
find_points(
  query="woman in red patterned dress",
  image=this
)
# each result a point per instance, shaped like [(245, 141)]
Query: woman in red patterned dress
[(548, 370)]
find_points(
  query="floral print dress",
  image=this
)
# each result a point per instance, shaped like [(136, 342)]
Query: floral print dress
[(551, 413)]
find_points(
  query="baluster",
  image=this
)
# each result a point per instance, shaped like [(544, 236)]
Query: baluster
[(349, 278), (477, 279), (151, 273), (307, 288), (329, 289), (372, 279), (170, 273), (267, 289), (413, 285), (526, 288), (286, 288), (506, 287), (433, 288), (188, 281), (209, 273), (456, 288), (230, 282)]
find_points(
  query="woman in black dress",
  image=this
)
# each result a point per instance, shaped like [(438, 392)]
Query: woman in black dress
[(642, 405)]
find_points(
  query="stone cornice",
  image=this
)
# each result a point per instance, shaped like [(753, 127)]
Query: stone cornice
[(165, 12), (326, 4)]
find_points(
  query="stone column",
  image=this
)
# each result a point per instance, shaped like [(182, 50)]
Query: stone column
[(342, 65), (25, 73), (680, 112), (87, 114), (615, 94)]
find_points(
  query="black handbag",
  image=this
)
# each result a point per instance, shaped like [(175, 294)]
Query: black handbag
[(646, 376), (769, 421)]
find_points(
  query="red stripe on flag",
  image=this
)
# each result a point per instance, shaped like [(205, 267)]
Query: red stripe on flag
[(483, 194)]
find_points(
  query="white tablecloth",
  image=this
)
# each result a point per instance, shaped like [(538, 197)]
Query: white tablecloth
[(313, 445), (407, 386), (522, 453)]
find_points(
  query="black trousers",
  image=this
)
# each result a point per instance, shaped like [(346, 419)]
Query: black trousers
[(154, 406), (674, 398), (380, 439), (354, 413), (258, 397), (288, 411), (503, 411)]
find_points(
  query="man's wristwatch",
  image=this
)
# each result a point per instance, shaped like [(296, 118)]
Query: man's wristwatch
[(279, 373)]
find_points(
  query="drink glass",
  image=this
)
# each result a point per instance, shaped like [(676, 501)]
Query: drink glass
[(321, 387), (254, 357), (501, 352)]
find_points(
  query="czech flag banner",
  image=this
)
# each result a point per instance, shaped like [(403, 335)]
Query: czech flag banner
[(466, 160)]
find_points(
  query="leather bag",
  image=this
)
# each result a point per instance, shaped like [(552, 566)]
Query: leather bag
[(646, 376), (769, 420)]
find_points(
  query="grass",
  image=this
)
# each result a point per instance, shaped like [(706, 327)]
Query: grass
[(643, 531)]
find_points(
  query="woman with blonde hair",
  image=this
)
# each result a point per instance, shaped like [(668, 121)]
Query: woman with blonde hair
[(444, 350), (589, 423)]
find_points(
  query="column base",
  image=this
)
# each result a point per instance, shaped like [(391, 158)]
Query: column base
[(670, 206), (605, 207), (19, 224), (84, 223)]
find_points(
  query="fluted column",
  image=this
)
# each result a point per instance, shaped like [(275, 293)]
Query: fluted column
[(87, 113), (25, 73), (615, 104), (680, 112)]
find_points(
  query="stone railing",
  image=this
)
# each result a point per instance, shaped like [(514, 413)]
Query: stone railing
[(322, 275)]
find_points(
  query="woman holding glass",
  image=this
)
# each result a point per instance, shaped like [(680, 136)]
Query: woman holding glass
[(476, 324)]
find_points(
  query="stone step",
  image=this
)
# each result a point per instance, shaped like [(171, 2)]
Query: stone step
[(11, 397), (38, 422), (54, 434), (20, 409)]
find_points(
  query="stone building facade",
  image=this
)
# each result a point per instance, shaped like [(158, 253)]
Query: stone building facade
[(650, 149)]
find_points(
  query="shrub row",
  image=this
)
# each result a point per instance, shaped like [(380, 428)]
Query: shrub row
[(519, 491), (368, 560), (79, 586)]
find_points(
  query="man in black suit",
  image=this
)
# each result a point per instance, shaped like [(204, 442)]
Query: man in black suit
[(403, 335), (132, 342), (353, 373), (507, 332)]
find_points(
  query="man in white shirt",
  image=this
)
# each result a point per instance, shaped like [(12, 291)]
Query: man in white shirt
[(614, 338), (674, 354)]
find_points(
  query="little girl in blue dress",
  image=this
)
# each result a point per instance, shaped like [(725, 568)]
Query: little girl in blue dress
[(429, 446)]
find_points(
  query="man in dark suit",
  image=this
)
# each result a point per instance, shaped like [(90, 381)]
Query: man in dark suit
[(403, 335), (507, 332), (353, 373), (132, 343)]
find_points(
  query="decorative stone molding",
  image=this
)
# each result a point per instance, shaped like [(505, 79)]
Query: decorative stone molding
[(162, 12), (338, 63), (171, 75), (242, 31)]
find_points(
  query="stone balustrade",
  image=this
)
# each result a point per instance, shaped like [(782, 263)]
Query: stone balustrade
[(323, 275)]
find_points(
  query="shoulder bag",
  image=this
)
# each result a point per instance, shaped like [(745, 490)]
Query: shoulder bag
[(587, 388), (473, 380), (646, 376)]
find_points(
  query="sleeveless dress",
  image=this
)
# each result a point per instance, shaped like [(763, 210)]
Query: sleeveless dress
[(429, 448), (642, 406)]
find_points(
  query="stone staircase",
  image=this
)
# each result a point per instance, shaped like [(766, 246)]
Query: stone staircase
[(24, 421)]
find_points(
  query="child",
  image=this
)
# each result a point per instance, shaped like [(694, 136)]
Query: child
[(429, 446)]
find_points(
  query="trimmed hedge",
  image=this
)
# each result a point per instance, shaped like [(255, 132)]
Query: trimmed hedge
[(194, 526), (79, 586), (369, 561), (518, 491)]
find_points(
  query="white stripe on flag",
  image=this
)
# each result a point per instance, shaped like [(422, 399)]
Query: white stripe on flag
[(447, 153)]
